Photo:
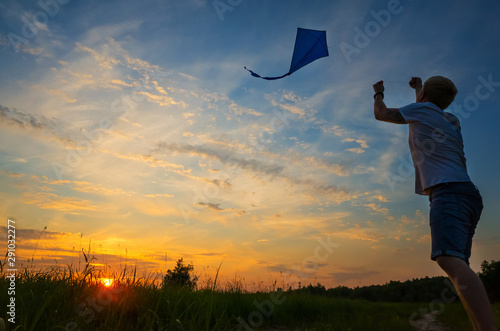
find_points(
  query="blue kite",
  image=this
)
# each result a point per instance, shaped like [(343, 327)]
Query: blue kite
[(310, 45)]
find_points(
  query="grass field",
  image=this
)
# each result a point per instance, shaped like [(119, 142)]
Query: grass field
[(66, 301)]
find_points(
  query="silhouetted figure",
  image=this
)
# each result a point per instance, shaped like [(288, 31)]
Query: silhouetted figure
[(436, 147)]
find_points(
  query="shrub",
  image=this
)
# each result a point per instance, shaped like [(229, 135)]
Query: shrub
[(180, 276)]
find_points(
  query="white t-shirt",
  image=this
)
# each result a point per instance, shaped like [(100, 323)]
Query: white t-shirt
[(436, 146)]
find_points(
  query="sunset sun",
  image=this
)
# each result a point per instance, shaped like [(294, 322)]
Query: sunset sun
[(107, 282)]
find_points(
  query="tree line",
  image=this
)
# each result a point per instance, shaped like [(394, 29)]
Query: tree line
[(415, 290)]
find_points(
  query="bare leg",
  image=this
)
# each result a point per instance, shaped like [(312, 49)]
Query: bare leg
[(471, 291)]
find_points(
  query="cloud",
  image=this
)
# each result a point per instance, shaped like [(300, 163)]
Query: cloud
[(282, 169), (39, 188), (239, 110), (47, 200), (360, 170), (98, 34), (33, 234), (336, 130), (188, 76), (15, 175), (216, 207), (164, 195), (332, 192), (103, 60), (294, 109), (356, 150), (359, 233), (154, 208), (226, 157), (99, 189), (172, 167), (120, 82), (303, 270), (411, 229), (321, 164), (362, 143), (162, 100), (57, 129), (377, 208), (379, 197), (56, 92)]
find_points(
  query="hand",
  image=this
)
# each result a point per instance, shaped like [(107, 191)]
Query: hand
[(379, 86), (416, 83)]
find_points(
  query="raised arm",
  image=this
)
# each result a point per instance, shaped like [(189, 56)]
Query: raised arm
[(380, 110), (416, 83)]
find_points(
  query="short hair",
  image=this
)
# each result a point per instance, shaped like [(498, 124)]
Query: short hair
[(440, 91)]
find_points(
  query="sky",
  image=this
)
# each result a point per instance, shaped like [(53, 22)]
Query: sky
[(130, 130)]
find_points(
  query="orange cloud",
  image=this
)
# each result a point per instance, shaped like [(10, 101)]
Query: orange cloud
[(359, 233), (120, 82), (154, 208), (162, 100), (47, 200)]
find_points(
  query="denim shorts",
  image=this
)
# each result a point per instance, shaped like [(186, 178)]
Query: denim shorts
[(455, 210)]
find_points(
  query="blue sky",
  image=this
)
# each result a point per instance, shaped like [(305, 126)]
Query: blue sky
[(134, 127)]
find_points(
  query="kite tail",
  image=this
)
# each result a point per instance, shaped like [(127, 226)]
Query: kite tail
[(267, 78)]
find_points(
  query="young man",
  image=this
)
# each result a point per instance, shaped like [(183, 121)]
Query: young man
[(436, 147)]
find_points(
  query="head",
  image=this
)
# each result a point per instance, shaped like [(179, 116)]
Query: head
[(439, 90)]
